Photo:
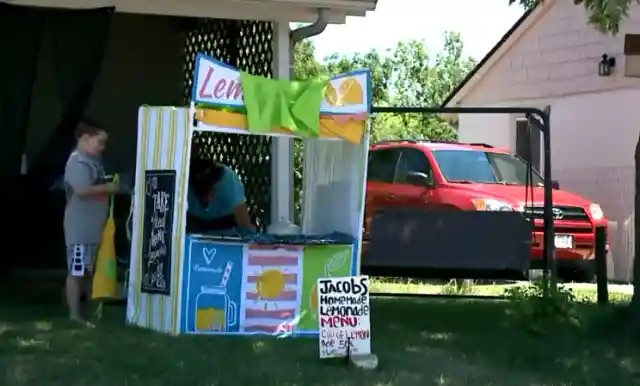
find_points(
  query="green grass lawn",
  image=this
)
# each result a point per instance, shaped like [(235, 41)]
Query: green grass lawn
[(418, 342)]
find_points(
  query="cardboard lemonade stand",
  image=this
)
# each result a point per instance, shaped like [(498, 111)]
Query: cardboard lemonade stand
[(248, 283)]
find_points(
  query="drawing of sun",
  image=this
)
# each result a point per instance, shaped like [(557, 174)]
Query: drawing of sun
[(270, 284), (349, 92)]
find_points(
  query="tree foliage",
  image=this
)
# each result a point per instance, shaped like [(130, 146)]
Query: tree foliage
[(409, 75), (605, 15)]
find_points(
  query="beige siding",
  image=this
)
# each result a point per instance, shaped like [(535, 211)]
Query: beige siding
[(594, 120), (558, 56)]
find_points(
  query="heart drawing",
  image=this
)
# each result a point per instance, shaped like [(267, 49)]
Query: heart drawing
[(209, 254)]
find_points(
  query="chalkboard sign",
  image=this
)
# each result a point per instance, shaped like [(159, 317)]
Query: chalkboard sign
[(160, 188)]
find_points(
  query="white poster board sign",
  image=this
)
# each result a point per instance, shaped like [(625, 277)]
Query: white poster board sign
[(343, 316)]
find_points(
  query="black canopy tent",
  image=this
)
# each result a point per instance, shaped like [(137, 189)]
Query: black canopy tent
[(77, 39), (94, 55)]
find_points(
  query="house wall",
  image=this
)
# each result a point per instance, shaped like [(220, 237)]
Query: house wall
[(593, 143), (593, 139), (557, 56), (594, 120), (143, 64)]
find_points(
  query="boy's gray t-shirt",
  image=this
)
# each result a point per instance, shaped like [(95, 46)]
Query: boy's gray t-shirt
[(84, 217)]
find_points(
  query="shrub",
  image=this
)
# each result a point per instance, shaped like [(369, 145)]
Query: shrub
[(541, 305)]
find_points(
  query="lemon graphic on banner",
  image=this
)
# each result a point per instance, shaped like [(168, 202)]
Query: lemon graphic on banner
[(331, 95), (270, 284), (349, 92)]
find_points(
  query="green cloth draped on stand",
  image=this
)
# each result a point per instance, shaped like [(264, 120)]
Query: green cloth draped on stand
[(274, 104)]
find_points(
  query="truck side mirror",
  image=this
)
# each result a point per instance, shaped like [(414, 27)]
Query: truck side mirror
[(419, 179), (555, 184)]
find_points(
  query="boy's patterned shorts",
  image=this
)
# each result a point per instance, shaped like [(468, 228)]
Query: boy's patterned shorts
[(80, 258)]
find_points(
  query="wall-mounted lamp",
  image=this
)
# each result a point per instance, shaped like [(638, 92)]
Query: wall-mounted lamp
[(606, 65)]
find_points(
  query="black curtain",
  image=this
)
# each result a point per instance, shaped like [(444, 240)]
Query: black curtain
[(20, 35), (78, 41)]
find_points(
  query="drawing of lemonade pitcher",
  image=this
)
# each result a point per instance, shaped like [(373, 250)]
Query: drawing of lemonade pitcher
[(215, 311)]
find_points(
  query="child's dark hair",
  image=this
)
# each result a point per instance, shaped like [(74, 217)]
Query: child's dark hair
[(88, 127), (204, 174)]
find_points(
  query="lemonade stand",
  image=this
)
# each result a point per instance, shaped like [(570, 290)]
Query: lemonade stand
[(248, 283)]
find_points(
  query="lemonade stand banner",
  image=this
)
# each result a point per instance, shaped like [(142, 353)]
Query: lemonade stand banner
[(234, 288), (320, 108)]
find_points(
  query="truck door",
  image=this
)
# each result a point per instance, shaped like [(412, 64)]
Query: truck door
[(380, 189), (414, 180)]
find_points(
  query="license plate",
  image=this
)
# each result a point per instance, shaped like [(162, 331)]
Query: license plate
[(564, 241)]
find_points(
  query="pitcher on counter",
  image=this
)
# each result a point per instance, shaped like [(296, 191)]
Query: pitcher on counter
[(216, 199)]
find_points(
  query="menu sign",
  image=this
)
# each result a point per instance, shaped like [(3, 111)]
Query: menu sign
[(343, 312), (160, 187)]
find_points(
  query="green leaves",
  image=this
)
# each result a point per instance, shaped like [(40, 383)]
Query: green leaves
[(605, 15), (540, 306)]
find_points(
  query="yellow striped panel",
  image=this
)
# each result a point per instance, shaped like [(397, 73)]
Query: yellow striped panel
[(351, 130), (184, 142), (134, 299), (163, 141)]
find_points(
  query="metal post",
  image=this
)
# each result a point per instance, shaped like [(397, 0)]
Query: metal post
[(601, 265), (549, 234), (282, 163)]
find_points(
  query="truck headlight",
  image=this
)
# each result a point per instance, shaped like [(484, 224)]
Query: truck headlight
[(490, 204), (596, 212)]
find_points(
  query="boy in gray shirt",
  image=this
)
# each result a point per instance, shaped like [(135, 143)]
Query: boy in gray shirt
[(86, 211)]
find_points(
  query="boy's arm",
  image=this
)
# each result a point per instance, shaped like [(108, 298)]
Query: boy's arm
[(79, 176)]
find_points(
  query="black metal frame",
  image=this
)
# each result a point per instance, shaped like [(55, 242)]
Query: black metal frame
[(541, 120)]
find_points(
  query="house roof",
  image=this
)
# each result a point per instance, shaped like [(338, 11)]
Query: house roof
[(272, 10), (504, 42)]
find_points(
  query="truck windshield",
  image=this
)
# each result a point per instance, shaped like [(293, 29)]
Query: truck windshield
[(477, 166)]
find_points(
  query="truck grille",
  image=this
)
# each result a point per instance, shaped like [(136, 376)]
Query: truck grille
[(560, 213)]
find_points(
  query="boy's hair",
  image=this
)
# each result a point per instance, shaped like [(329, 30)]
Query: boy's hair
[(88, 127), (204, 174)]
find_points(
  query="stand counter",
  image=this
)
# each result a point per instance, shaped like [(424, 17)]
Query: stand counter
[(236, 287)]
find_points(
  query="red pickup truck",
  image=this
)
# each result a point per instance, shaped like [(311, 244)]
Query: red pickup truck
[(462, 176)]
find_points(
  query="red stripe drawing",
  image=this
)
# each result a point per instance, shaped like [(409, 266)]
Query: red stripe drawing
[(284, 313), (273, 260), (272, 275), (269, 329), (285, 296), (260, 247)]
